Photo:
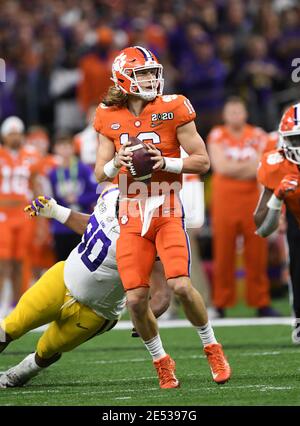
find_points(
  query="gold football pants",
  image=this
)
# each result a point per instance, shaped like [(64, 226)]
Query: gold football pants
[(48, 301)]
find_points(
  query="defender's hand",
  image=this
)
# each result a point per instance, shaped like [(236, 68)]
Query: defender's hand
[(42, 206), (288, 184)]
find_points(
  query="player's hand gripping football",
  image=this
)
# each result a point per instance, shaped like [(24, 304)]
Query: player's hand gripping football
[(123, 157), (288, 184), (156, 157), (42, 206)]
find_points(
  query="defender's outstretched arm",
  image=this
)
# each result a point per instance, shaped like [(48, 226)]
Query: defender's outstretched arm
[(48, 207)]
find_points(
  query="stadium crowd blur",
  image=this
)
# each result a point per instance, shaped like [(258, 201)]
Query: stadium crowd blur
[(58, 58)]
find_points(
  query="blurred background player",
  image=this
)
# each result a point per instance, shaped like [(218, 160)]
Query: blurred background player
[(235, 149), (15, 228), (192, 196), (95, 67), (73, 185), (42, 245), (86, 142)]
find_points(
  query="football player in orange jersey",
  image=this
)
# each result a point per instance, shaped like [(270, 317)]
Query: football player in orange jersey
[(135, 107), (279, 173), (288, 230), (42, 253), (86, 142), (235, 149), (272, 142), (15, 229), (38, 139)]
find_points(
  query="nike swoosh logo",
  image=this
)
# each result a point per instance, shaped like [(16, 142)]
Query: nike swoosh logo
[(80, 326), (215, 375), (156, 124)]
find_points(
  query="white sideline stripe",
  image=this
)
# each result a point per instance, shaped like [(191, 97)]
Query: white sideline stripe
[(226, 322)]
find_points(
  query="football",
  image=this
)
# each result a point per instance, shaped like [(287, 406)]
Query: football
[(141, 166)]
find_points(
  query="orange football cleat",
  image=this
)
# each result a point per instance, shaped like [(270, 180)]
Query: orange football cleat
[(165, 368), (220, 369)]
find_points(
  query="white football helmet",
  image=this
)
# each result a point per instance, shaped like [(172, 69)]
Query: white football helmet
[(289, 133)]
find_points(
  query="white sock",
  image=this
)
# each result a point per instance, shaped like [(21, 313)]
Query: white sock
[(28, 367), (155, 348), (206, 334)]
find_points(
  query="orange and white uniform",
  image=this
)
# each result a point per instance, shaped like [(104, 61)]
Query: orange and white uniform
[(165, 234), (15, 192), (272, 169), (86, 145), (40, 171), (233, 205), (272, 142), (192, 197)]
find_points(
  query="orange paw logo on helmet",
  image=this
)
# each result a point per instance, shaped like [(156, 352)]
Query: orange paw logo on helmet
[(119, 62)]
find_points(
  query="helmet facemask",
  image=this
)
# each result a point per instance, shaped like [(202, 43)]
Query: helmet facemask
[(291, 147), (147, 88)]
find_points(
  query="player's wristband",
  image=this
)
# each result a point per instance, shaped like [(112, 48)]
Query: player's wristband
[(110, 169), (61, 214), (274, 203), (173, 165)]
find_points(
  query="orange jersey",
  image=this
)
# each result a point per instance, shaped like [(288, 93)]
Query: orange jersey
[(45, 165), (40, 171), (86, 145), (272, 142), (249, 145), (272, 169), (15, 173), (156, 124)]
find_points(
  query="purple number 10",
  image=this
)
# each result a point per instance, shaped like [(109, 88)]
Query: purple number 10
[(88, 243)]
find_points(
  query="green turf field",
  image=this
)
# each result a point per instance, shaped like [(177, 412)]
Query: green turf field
[(115, 369)]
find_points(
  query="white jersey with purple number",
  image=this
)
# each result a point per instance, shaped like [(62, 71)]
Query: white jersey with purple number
[(91, 273)]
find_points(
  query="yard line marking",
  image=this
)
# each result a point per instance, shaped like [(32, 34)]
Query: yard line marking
[(118, 380), (117, 391), (19, 392), (261, 353), (224, 322), (123, 397)]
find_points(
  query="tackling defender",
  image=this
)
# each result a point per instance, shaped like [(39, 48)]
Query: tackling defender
[(81, 297)]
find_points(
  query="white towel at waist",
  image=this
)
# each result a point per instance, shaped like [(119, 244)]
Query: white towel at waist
[(151, 204)]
